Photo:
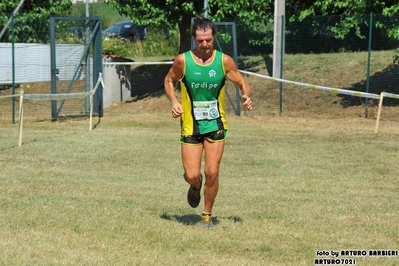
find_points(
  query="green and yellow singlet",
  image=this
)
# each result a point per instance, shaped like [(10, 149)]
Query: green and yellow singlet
[(203, 94)]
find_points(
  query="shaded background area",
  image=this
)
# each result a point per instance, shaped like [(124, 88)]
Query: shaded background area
[(147, 81), (386, 80)]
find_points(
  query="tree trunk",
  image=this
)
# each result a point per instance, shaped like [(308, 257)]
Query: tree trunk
[(184, 33)]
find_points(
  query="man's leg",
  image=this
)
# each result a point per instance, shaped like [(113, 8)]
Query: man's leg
[(191, 157), (213, 156)]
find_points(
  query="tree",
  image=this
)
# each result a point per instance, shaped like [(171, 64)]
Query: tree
[(168, 13), (347, 7), (32, 22), (351, 12)]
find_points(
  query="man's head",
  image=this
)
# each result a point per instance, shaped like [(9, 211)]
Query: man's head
[(202, 24)]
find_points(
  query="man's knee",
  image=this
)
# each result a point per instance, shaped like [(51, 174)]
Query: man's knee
[(211, 176), (191, 177)]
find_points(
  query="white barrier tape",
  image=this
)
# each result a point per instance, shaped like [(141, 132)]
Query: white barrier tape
[(102, 83), (58, 96), (390, 95), (139, 63), (10, 96), (99, 81), (333, 90)]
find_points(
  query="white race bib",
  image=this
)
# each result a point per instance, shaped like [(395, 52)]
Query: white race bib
[(206, 110)]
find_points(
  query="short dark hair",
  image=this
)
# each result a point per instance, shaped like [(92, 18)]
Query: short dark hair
[(201, 23)]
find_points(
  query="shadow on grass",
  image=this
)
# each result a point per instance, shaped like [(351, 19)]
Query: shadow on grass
[(385, 80), (192, 219), (186, 219)]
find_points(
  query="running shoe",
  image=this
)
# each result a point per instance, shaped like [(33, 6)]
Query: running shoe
[(206, 220), (194, 195)]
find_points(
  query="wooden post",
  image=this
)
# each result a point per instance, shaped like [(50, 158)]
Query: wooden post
[(21, 117), (91, 110), (379, 113)]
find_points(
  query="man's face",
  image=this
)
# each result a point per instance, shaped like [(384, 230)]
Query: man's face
[(204, 41)]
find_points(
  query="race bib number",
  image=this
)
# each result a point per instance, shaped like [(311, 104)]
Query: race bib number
[(206, 110)]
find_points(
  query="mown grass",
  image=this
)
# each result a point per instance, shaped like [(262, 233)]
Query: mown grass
[(115, 195), (289, 185)]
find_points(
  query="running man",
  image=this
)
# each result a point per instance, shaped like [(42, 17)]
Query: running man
[(202, 74)]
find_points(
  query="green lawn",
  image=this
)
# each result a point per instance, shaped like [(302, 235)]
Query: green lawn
[(115, 196)]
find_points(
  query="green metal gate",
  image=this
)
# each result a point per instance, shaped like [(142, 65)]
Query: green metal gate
[(76, 64)]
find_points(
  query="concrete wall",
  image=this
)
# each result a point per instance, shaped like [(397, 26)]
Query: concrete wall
[(117, 87)]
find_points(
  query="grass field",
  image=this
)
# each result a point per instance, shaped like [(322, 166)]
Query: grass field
[(294, 187), (115, 196)]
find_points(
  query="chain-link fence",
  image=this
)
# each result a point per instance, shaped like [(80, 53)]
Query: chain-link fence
[(315, 54), (57, 58)]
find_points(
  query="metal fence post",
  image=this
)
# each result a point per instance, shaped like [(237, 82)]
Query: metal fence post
[(281, 63), (13, 67), (54, 114), (368, 62)]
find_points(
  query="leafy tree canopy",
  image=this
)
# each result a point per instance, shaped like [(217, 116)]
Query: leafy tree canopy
[(348, 7), (352, 12), (168, 13), (33, 18)]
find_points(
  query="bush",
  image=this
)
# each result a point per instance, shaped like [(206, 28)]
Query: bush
[(155, 44)]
